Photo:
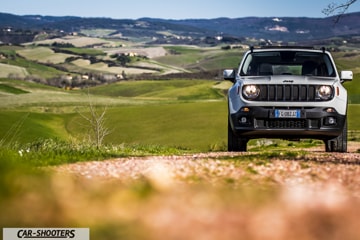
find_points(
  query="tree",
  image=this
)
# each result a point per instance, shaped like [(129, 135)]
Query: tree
[(338, 9), (123, 59), (96, 124)]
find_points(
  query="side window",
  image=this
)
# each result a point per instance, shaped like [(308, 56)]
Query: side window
[(329, 67), (247, 68)]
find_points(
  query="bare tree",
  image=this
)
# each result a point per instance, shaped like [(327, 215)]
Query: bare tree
[(338, 9), (96, 124)]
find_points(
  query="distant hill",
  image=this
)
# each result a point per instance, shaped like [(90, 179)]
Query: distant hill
[(281, 29), (270, 28)]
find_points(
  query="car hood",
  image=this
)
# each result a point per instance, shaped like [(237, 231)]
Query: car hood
[(287, 79)]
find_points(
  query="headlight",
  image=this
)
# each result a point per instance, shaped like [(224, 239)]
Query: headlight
[(324, 92), (251, 91)]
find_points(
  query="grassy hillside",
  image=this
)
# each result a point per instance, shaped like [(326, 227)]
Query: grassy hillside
[(196, 126), (25, 127), (151, 114), (14, 66), (163, 89), (8, 70), (76, 41), (196, 58), (44, 55), (189, 114)]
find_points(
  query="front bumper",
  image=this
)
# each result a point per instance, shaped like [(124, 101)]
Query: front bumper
[(265, 122)]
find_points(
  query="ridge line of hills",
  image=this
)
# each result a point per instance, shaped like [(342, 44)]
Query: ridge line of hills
[(296, 29)]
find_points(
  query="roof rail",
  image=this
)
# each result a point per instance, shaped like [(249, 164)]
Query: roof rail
[(287, 47)]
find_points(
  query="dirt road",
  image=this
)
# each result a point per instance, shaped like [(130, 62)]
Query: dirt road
[(311, 195), (178, 167)]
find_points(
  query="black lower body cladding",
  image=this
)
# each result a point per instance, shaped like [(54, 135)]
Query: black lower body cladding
[(287, 123)]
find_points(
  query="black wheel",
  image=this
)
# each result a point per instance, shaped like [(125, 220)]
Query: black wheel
[(338, 144), (235, 143)]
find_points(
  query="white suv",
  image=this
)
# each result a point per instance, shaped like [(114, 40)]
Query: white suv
[(289, 93)]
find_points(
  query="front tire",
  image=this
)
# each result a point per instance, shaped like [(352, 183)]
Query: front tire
[(338, 144), (235, 143)]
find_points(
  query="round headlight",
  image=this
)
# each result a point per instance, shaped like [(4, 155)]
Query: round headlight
[(324, 92), (251, 91)]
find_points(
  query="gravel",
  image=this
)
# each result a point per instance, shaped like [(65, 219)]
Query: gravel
[(315, 166), (217, 195)]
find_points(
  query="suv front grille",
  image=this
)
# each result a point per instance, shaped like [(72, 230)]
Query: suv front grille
[(287, 92)]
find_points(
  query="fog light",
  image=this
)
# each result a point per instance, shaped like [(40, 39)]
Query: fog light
[(330, 110), (330, 121), (243, 120)]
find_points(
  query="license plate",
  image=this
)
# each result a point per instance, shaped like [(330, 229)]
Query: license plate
[(279, 113)]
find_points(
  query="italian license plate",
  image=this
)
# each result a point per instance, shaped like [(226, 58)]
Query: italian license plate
[(280, 113)]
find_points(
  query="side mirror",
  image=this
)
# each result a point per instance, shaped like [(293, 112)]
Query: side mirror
[(346, 76), (229, 74)]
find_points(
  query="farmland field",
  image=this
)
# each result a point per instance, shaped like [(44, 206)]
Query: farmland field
[(10, 70), (102, 67), (76, 41), (44, 55)]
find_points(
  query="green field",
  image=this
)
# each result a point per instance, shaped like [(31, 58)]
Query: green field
[(181, 113), (201, 58), (187, 114), (195, 126)]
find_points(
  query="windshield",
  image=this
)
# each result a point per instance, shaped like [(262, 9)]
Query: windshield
[(287, 63)]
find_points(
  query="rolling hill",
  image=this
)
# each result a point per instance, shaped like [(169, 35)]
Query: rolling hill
[(275, 28)]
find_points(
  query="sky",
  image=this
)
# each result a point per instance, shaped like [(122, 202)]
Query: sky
[(170, 9)]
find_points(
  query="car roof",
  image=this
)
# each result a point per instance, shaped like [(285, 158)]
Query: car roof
[(287, 48)]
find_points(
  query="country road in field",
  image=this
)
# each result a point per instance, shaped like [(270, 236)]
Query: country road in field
[(180, 165), (308, 194)]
